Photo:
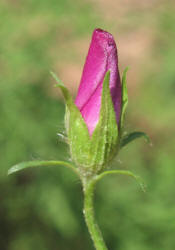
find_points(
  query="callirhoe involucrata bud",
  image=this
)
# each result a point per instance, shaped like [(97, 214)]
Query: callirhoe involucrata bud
[(94, 120)]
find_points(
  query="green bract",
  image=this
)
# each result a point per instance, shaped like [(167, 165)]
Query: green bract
[(124, 99)]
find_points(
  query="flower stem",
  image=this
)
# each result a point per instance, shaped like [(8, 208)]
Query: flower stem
[(90, 216)]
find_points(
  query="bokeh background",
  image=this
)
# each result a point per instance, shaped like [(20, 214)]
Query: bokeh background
[(41, 208)]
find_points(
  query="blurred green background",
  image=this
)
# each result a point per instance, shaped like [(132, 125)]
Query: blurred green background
[(42, 208)]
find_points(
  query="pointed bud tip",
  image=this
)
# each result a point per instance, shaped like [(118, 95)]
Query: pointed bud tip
[(104, 37)]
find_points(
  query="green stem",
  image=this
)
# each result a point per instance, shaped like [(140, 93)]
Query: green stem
[(90, 217), (88, 185)]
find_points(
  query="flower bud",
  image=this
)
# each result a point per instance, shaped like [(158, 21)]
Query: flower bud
[(94, 121)]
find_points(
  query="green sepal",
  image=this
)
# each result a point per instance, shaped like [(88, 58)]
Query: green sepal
[(133, 136), (124, 98), (77, 131), (105, 135), (91, 152), (64, 90)]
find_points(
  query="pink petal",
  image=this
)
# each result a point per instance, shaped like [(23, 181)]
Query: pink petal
[(102, 56)]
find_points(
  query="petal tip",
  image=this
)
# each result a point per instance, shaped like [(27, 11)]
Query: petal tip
[(105, 38)]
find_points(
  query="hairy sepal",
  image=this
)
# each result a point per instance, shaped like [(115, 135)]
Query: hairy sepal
[(105, 136), (77, 131)]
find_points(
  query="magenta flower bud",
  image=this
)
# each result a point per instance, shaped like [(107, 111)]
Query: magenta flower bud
[(94, 121), (102, 57)]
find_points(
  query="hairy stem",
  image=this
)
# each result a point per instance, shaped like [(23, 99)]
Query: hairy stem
[(90, 216)]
